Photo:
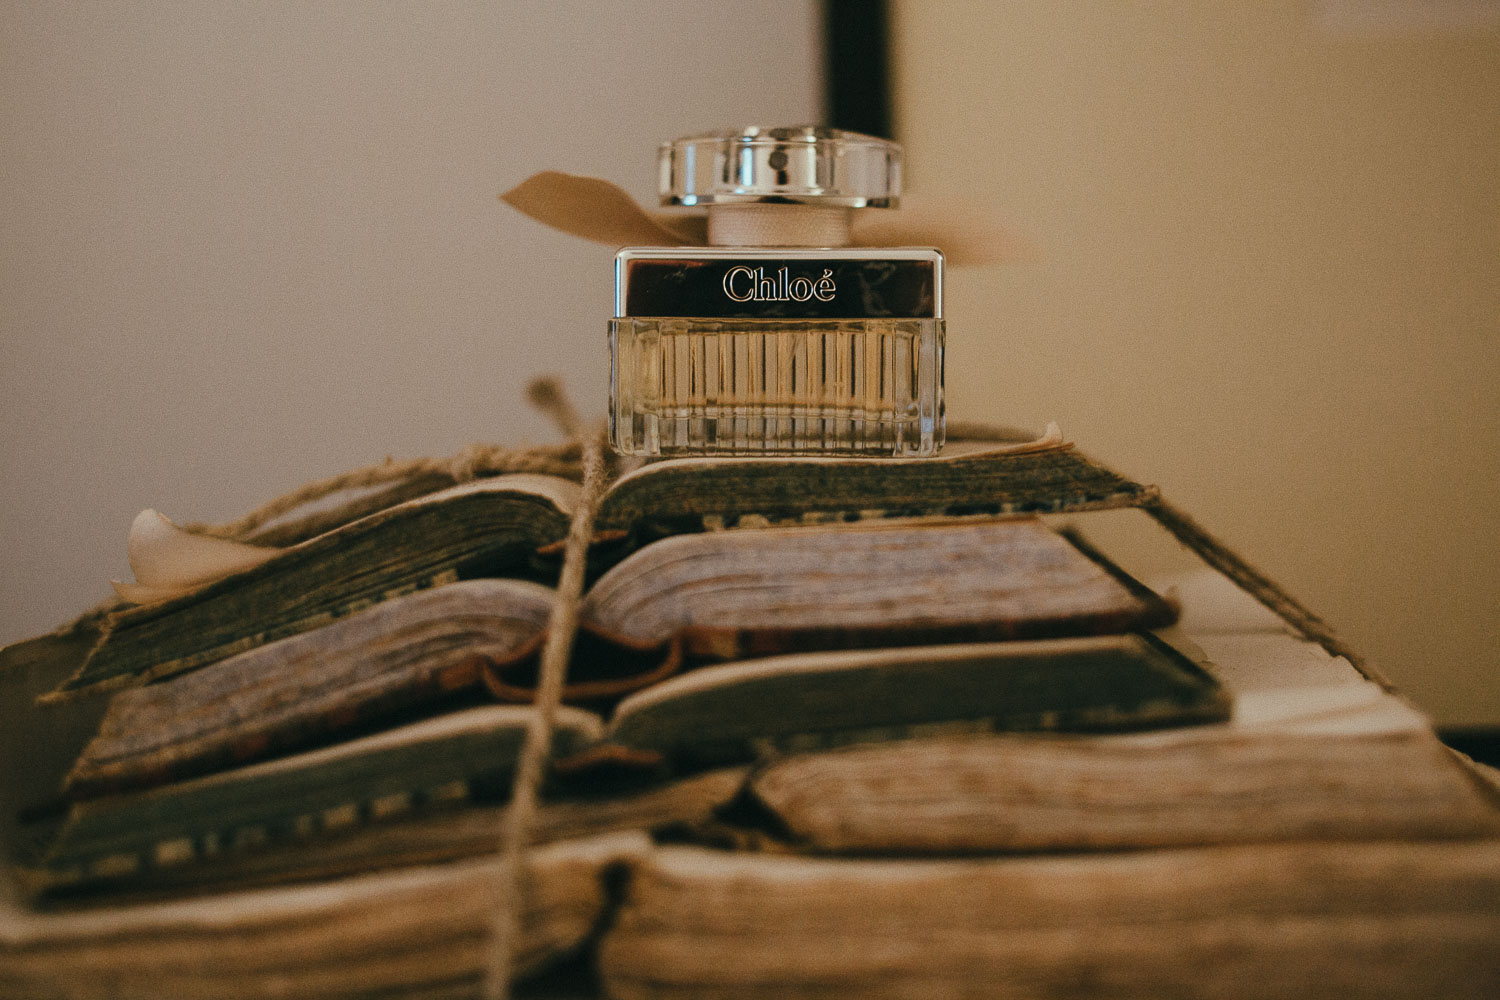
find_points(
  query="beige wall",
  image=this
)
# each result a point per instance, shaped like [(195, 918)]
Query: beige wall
[(244, 245), (1264, 274)]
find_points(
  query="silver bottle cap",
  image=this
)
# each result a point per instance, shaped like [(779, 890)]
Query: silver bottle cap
[(803, 165)]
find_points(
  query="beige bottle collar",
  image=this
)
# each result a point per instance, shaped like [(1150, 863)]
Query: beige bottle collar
[(596, 210)]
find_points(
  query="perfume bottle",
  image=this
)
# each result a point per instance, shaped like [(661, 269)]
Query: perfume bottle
[(778, 337)]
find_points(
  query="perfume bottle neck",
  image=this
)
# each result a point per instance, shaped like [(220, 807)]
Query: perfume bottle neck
[(762, 225)]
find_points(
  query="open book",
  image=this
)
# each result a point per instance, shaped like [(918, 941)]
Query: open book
[(1376, 921), (506, 527), (681, 602), (665, 735)]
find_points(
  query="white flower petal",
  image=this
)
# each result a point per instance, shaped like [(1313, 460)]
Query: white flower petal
[(167, 558)]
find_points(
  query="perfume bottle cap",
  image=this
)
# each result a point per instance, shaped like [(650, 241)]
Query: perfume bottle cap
[(802, 165)]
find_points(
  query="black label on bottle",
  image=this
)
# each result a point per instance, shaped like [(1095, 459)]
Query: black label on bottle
[(779, 288)]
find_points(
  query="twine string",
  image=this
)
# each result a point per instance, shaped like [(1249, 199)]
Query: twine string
[(474, 461), (562, 626), (1255, 583)]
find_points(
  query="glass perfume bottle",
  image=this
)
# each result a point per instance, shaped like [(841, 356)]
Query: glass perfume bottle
[(778, 337)]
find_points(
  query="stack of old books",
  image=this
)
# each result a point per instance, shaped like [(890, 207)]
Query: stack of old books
[(997, 724)]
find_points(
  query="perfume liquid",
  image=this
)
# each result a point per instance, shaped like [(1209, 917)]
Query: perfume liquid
[(760, 346), (691, 387)]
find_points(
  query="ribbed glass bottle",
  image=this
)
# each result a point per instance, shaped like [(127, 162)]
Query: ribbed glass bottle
[(685, 385), (789, 350)]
